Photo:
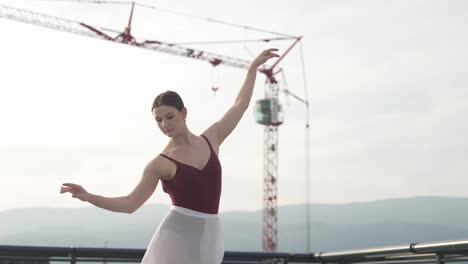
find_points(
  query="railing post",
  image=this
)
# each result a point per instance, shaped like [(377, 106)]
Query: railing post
[(73, 255), (438, 259)]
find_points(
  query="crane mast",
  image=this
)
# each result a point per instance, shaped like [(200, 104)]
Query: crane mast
[(270, 157), (270, 162)]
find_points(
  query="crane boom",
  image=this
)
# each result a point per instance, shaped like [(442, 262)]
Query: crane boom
[(83, 29)]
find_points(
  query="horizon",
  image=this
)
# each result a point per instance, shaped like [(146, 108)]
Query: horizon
[(259, 209)]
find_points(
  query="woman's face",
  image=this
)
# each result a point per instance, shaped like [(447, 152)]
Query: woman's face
[(169, 119)]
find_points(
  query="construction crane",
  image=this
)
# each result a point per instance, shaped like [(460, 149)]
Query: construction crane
[(268, 110)]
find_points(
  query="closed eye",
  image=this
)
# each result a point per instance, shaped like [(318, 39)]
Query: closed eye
[(159, 119)]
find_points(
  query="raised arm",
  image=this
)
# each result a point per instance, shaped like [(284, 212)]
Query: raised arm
[(123, 204), (222, 128)]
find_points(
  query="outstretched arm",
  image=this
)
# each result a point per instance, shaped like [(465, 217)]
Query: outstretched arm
[(231, 118), (123, 204)]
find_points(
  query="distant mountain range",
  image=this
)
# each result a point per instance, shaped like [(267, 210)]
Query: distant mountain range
[(333, 227)]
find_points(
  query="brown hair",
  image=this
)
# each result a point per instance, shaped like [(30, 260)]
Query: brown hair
[(169, 98)]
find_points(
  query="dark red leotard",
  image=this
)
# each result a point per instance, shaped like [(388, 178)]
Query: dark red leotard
[(196, 189)]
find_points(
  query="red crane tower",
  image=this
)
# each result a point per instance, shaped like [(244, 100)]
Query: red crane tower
[(268, 109)]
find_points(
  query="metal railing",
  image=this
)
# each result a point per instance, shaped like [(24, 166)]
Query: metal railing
[(414, 253)]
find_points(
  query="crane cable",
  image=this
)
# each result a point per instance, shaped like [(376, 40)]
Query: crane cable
[(307, 153), (172, 12)]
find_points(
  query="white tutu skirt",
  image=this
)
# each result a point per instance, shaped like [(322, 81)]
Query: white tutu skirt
[(186, 237)]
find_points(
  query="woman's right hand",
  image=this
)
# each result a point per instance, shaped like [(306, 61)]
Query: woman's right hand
[(76, 190)]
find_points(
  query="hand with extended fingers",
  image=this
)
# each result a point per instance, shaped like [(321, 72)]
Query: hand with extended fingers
[(76, 190), (264, 56)]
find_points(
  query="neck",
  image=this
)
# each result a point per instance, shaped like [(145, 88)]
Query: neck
[(186, 138)]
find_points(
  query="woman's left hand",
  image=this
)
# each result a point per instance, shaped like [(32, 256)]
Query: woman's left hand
[(264, 56)]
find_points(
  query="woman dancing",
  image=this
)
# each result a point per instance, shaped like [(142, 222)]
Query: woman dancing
[(190, 172)]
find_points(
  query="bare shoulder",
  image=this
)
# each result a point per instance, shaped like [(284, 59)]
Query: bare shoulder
[(159, 167), (210, 134)]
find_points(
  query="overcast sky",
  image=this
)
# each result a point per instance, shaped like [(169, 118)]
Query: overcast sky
[(387, 82)]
